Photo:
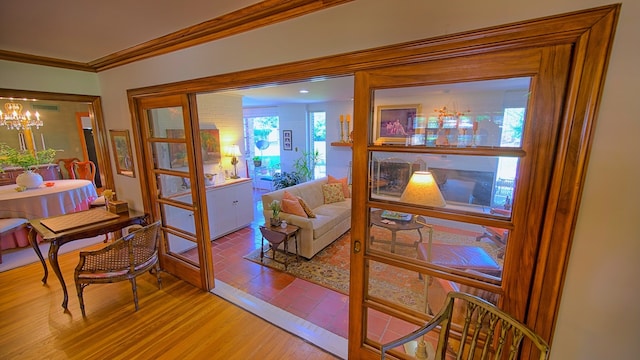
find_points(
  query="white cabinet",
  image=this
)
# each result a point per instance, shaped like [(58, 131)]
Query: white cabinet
[(230, 207)]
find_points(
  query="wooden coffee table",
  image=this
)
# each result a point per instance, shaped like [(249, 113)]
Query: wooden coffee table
[(397, 225)]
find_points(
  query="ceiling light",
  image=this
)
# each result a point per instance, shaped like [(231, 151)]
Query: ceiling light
[(304, 91), (15, 119)]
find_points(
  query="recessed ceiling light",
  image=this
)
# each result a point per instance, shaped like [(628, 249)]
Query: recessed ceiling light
[(304, 91)]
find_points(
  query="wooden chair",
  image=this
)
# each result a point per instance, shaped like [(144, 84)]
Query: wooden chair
[(486, 333), (67, 164), (85, 170), (123, 259)]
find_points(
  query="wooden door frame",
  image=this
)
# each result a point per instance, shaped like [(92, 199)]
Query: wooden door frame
[(97, 122), (590, 32)]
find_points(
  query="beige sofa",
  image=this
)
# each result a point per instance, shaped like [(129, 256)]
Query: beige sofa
[(331, 221)]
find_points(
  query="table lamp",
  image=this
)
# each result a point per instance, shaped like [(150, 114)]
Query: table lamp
[(422, 189), (233, 151)]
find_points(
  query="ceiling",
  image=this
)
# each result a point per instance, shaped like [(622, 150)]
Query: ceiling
[(83, 31)]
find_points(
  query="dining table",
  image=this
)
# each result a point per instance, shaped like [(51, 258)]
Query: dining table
[(52, 198)]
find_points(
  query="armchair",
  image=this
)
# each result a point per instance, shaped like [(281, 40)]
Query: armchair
[(124, 259), (486, 332)]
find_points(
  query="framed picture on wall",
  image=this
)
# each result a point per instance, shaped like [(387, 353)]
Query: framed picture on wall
[(395, 123), (287, 139), (121, 144)]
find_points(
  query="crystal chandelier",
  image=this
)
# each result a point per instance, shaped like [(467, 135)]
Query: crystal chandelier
[(13, 118)]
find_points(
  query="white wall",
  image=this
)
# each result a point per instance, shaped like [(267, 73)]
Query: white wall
[(598, 317)]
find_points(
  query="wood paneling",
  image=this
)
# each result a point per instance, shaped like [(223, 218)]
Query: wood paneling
[(178, 321)]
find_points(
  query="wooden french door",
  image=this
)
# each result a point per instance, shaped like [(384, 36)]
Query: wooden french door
[(469, 121), (173, 185)]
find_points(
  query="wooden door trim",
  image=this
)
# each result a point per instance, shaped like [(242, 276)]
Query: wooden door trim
[(590, 32)]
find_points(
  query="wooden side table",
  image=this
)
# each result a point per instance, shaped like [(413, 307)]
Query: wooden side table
[(277, 235)]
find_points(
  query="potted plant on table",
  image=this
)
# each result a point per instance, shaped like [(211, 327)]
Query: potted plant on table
[(257, 161), (10, 157), (275, 209)]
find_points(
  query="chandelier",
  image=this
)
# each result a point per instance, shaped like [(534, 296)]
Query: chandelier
[(15, 119)]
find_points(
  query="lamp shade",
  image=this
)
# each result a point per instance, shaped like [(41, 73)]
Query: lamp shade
[(232, 151), (423, 190)]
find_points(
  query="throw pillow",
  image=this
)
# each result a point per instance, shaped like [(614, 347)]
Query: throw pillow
[(332, 193), (293, 207), (289, 196), (343, 181), (306, 208)]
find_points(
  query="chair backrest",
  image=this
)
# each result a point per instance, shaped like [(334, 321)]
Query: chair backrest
[(85, 170), (486, 332), (273, 237), (131, 252), (67, 164)]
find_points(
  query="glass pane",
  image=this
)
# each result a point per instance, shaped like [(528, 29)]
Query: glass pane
[(383, 328), (396, 285), (451, 244), (183, 248), (487, 113), (166, 122), (467, 183), (171, 156), (175, 187), (179, 219), (439, 288)]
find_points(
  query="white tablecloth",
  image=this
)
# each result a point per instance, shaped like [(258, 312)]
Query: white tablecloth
[(63, 197)]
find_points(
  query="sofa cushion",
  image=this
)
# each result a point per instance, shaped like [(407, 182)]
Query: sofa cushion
[(293, 207), (343, 181), (328, 216), (306, 208), (332, 193)]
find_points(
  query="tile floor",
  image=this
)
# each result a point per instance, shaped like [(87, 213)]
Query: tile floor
[(313, 312), (316, 304)]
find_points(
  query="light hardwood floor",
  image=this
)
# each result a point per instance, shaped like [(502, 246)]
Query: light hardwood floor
[(177, 321)]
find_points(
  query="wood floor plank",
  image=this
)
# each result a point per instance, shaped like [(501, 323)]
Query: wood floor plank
[(177, 321)]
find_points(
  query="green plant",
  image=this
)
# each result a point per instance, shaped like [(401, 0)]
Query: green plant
[(24, 158), (257, 158), (275, 208), (284, 179), (305, 164)]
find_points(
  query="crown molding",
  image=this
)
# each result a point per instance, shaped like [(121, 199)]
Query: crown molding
[(249, 18)]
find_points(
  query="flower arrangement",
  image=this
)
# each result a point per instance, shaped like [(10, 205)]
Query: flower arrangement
[(23, 158), (108, 194), (275, 208)]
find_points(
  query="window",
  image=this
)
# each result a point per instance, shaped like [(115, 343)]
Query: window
[(318, 127), (262, 136)]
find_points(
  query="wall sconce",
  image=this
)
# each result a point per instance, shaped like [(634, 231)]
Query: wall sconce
[(233, 151)]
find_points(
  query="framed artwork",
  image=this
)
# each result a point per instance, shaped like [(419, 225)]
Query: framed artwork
[(287, 139), (209, 140), (121, 144), (395, 124)]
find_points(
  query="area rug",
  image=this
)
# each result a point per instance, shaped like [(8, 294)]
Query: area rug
[(330, 267), (14, 258)]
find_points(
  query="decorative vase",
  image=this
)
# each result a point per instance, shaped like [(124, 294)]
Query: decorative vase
[(274, 221), (29, 179), (257, 163)]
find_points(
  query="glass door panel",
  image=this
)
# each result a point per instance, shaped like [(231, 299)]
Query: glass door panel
[(443, 169), (172, 180)]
